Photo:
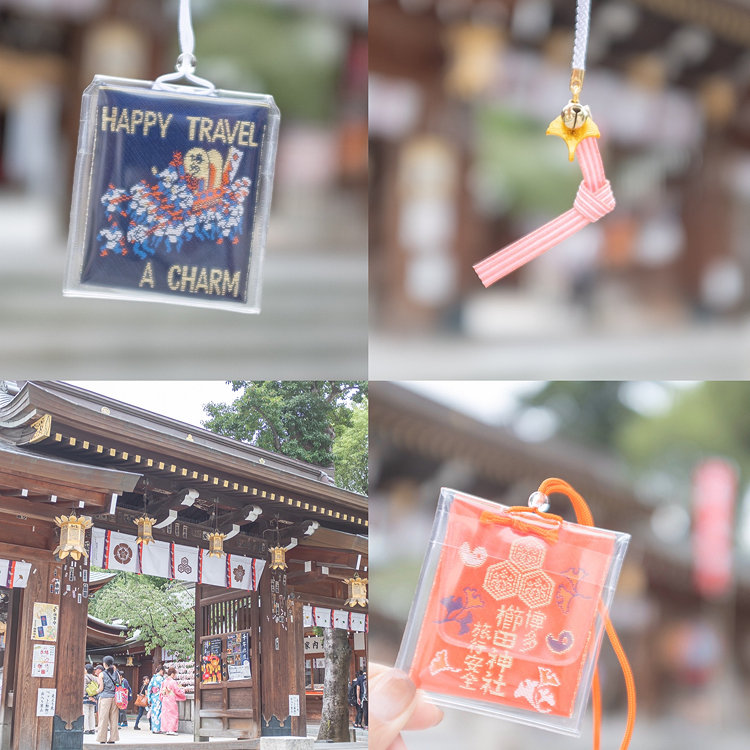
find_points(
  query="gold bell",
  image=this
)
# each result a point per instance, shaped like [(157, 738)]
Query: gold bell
[(575, 115)]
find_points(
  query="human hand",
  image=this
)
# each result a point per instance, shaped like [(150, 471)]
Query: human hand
[(396, 704)]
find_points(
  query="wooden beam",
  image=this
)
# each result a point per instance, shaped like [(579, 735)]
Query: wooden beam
[(61, 489), (42, 511), (28, 554)]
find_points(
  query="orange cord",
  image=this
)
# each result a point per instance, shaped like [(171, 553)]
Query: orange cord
[(585, 518), (515, 518)]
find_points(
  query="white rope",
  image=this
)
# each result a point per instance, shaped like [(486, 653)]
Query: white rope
[(583, 16), (186, 60), (187, 37)]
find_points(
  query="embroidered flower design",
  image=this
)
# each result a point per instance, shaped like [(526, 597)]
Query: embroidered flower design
[(537, 692), (195, 198), (239, 573)]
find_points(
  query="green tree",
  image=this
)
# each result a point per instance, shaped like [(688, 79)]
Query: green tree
[(350, 451), (708, 419), (300, 419), (588, 412), (161, 612)]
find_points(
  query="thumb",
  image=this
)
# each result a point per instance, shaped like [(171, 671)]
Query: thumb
[(392, 703)]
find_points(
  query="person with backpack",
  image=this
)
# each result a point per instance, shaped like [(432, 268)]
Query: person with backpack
[(123, 711), (352, 697), (109, 681), (90, 690)]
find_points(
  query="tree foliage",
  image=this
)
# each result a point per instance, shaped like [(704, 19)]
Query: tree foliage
[(709, 419), (300, 419), (160, 612), (350, 451), (588, 412)]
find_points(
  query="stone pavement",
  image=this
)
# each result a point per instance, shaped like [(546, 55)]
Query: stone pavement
[(130, 740)]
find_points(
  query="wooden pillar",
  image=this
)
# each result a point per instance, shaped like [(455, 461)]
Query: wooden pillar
[(59, 583), (30, 731), (282, 679), (71, 653)]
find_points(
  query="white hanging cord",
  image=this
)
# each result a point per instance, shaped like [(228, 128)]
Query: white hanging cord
[(583, 17), (186, 60)]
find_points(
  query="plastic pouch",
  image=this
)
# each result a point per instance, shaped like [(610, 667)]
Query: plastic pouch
[(172, 190), (510, 610)]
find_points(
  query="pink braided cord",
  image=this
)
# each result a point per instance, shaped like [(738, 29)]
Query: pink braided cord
[(594, 200)]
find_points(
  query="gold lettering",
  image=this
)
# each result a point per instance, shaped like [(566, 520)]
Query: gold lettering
[(164, 124), (108, 119), (136, 118), (219, 132), (244, 133), (204, 134), (247, 134), (188, 278), (149, 121), (123, 123), (231, 283), (202, 283), (148, 276), (172, 283), (193, 122), (233, 134), (215, 283)]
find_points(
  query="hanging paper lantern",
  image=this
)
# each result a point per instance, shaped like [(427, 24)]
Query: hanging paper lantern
[(144, 524), (216, 544), (357, 591), (72, 536), (278, 558)]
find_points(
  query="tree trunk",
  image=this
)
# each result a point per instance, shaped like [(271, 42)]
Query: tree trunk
[(334, 720)]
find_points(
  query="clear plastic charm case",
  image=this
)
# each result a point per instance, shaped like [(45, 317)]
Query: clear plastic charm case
[(509, 612), (171, 195)]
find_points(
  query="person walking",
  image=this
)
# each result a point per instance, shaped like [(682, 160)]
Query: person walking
[(108, 680), (141, 700), (171, 692), (89, 700), (352, 698), (358, 695), (123, 718), (364, 701), (154, 699)]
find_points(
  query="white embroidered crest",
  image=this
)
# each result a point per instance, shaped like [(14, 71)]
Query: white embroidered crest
[(473, 558)]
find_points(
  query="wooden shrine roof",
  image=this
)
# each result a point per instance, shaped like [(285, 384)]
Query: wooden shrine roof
[(78, 427)]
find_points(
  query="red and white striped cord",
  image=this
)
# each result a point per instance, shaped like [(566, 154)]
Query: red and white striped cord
[(594, 200)]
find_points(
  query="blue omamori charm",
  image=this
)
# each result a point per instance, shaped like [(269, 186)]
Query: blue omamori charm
[(172, 189)]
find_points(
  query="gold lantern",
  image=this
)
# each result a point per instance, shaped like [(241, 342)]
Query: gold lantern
[(216, 544), (72, 536), (144, 524), (278, 558), (357, 591), (129, 661)]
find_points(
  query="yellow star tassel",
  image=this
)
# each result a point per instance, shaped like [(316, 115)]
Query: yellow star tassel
[(573, 137)]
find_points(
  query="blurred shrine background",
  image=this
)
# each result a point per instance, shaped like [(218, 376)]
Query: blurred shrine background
[(668, 463), (461, 92), (312, 56)]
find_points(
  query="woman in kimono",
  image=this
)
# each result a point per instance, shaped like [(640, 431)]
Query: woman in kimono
[(154, 699), (171, 692)]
